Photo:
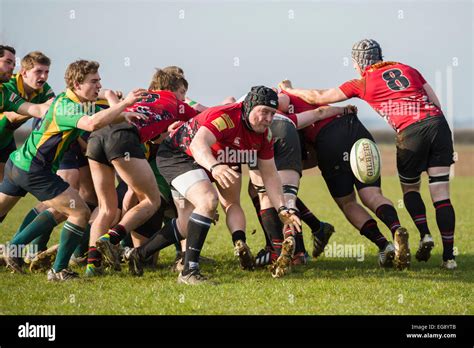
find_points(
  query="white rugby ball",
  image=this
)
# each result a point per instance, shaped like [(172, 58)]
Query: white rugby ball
[(365, 161)]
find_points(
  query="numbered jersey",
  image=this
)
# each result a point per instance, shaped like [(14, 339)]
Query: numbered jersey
[(161, 109), (395, 91)]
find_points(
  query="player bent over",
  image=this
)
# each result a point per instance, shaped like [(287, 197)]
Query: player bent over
[(188, 159), (32, 168), (400, 94), (117, 148)]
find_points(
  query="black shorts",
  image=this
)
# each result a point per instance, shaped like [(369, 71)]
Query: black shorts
[(422, 145), (44, 185), (7, 150), (286, 146), (73, 158), (173, 162), (114, 141), (333, 147)]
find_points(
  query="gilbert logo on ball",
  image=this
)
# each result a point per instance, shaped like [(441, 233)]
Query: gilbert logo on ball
[(365, 161)]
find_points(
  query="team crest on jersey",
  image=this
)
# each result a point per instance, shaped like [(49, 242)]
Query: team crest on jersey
[(223, 122), (13, 97)]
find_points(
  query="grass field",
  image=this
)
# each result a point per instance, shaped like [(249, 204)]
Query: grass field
[(329, 285)]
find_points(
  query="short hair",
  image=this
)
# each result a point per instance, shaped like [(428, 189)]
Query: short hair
[(167, 81), (77, 71), (174, 69), (32, 58), (4, 48)]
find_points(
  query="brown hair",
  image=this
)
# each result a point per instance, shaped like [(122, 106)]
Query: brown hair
[(167, 81), (4, 48), (32, 58), (77, 71), (174, 69)]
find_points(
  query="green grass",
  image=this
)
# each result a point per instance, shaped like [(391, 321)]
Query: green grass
[(326, 286)]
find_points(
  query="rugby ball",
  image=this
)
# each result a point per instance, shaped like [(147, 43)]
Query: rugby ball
[(365, 161)]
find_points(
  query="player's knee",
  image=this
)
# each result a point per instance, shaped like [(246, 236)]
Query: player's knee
[(209, 202)]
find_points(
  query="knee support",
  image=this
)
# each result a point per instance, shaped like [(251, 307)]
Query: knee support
[(260, 189), (438, 179), (410, 181), (290, 190)]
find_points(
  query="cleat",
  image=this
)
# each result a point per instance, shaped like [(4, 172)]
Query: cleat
[(110, 253), (318, 244), (265, 257), (13, 263), (402, 249), (93, 271), (247, 261), (424, 250), (63, 275), (449, 264), (386, 256), (43, 260), (282, 265), (300, 259), (135, 264), (78, 261), (178, 265), (192, 278)]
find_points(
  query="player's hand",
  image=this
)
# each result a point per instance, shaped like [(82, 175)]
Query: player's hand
[(224, 175), (350, 109), (119, 94), (174, 126), (289, 219), (285, 85), (134, 116), (134, 96)]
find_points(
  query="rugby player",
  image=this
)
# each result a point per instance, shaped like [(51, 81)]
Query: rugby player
[(401, 95), (32, 168)]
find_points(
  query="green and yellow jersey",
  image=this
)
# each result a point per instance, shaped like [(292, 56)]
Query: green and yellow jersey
[(16, 86), (45, 147), (9, 101)]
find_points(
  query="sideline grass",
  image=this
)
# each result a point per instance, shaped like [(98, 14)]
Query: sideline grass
[(329, 285)]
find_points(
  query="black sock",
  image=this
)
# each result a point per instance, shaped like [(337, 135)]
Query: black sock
[(2, 218), (307, 216), (389, 217), (94, 256), (371, 231), (299, 243), (168, 235), (446, 220), (272, 223), (116, 234), (238, 235), (416, 209), (198, 226), (256, 204)]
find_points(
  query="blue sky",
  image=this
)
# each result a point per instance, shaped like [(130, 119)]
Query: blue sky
[(225, 47)]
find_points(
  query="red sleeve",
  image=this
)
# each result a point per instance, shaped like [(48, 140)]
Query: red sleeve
[(353, 88), (293, 119), (422, 79), (220, 124), (266, 151), (185, 112)]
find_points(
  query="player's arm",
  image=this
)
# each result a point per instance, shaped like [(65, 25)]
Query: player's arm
[(108, 116), (201, 150), (195, 105), (309, 117), (431, 95), (34, 110), (13, 117), (273, 185), (314, 96)]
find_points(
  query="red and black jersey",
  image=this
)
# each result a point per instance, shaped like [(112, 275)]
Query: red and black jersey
[(395, 91), (162, 109), (298, 105), (226, 123)]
